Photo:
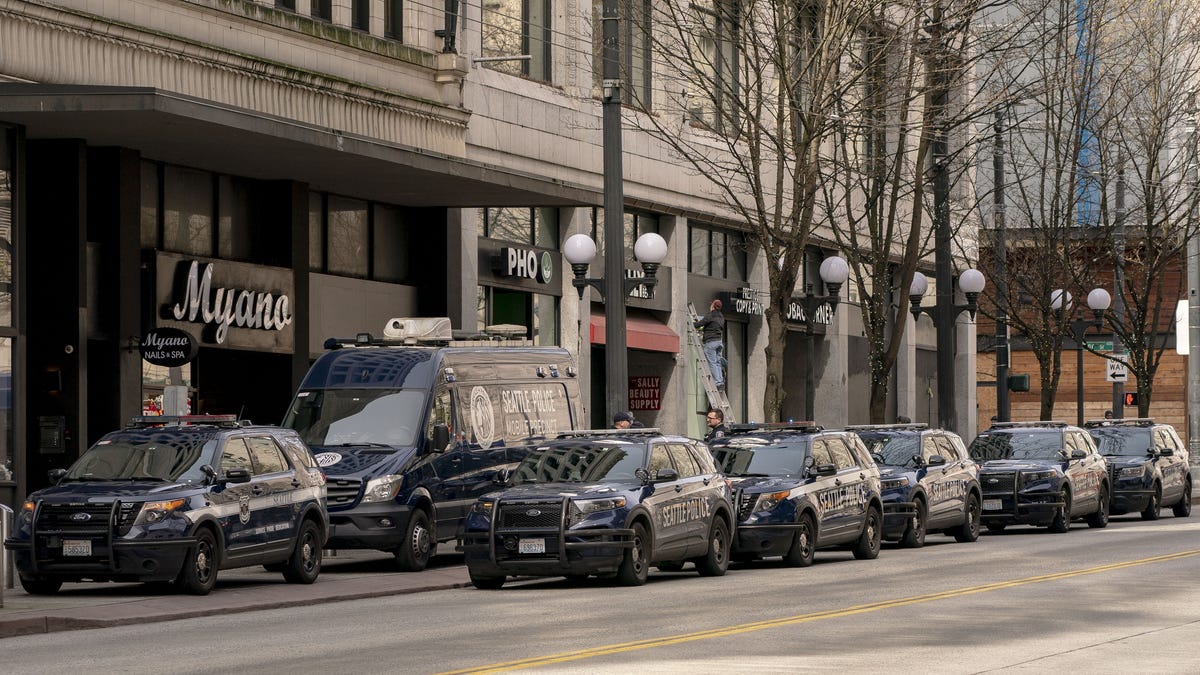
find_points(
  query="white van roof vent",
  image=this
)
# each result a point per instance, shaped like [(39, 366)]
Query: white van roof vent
[(412, 331)]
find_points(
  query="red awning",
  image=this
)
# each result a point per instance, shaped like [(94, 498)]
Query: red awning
[(642, 332)]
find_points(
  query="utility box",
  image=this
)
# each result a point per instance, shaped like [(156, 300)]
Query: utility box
[(1018, 383)]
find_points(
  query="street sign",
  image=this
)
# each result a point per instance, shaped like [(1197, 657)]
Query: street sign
[(1100, 346), (1117, 372)]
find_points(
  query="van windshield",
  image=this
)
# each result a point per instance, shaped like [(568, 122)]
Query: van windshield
[(329, 417)]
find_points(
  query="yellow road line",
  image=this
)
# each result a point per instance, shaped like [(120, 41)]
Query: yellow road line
[(593, 652)]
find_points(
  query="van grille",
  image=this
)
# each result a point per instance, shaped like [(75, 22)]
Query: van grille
[(342, 491)]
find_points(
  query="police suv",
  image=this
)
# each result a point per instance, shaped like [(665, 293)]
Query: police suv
[(176, 499), (930, 482), (1041, 473), (611, 503), (797, 488), (1147, 464)]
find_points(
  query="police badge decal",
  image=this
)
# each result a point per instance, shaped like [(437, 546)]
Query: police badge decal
[(244, 514)]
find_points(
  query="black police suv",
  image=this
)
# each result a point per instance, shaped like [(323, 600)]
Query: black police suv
[(610, 503), (1147, 465), (797, 488), (929, 482), (175, 499), (1041, 473)]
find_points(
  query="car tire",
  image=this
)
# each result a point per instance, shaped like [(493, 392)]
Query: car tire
[(635, 565), (1062, 517), (40, 585), (914, 534), (996, 527), (305, 564), (969, 530), (804, 544), (1184, 508), (1154, 509), (715, 562), (867, 546), (487, 583), (418, 546), (199, 573), (1099, 518)]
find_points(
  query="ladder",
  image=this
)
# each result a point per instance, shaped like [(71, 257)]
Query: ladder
[(716, 398)]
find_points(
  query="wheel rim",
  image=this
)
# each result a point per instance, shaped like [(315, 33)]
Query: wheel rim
[(718, 544), (871, 530), (420, 540), (805, 541), (973, 516), (308, 552), (639, 562), (918, 524), (203, 560)]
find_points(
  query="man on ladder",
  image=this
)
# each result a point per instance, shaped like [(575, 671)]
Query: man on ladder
[(712, 326)]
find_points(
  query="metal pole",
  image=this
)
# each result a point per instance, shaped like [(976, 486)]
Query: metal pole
[(809, 381), (1003, 407), (616, 360), (1079, 375), (1193, 272), (1118, 388)]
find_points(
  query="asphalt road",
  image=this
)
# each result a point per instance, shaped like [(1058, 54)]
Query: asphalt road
[(1123, 599)]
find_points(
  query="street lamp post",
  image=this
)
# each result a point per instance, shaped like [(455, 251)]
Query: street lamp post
[(971, 282), (1098, 301), (834, 271), (650, 250)]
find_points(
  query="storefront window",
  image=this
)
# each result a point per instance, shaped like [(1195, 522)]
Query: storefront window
[(155, 380), (150, 206), (390, 246), (187, 211), (316, 232), (510, 224), (503, 306), (6, 410), (6, 231), (348, 231), (236, 218)]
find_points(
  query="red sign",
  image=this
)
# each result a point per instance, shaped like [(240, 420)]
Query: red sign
[(645, 393)]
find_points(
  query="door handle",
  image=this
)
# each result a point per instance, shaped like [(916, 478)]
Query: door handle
[(679, 488), (837, 481), (257, 489), (862, 476), (707, 481), (295, 483)]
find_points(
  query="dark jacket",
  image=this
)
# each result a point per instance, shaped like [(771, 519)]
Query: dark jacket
[(716, 432), (713, 325)]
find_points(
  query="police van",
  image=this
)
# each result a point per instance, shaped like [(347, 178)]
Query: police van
[(412, 428)]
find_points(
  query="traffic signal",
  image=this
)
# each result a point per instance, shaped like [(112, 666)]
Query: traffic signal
[(1131, 398)]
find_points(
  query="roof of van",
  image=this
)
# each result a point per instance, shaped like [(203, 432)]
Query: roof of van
[(416, 367)]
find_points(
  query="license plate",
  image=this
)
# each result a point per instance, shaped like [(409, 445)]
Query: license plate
[(77, 547), (992, 505), (531, 546)]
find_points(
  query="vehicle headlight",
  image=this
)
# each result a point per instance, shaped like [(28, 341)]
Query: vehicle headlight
[(1036, 476), (1132, 472), (153, 512), (25, 517), (382, 489), (484, 507), (581, 508), (768, 501), (893, 483)]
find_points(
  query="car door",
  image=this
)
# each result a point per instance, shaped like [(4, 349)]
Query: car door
[(667, 506), (849, 488), (832, 522), (1169, 465), (273, 489), (933, 477), (232, 500), (695, 504), (1087, 474)]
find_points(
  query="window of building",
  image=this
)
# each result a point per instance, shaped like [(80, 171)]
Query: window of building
[(289, 5), (150, 201), (521, 308), (635, 63), (188, 211), (393, 19), (322, 9), (521, 225), (6, 410), (347, 237), (717, 23), (360, 14), (235, 218), (359, 239), (316, 231), (7, 176), (636, 224), (517, 28), (717, 252), (389, 250)]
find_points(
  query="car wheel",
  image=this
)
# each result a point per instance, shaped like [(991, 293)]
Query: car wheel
[(487, 583), (199, 573), (1100, 517), (1184, 508), (305, 563), (414, 552), (1062, 517), (635, 566), (716, 561), (40, 585), (996, 527), (803, 548), (914, 536), (867, 547), (969, 530), (1154, 508)]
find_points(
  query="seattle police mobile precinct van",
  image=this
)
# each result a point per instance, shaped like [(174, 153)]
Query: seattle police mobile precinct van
[(412, 428)]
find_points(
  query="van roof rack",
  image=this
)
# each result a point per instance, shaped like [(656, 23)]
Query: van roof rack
[(639, 431), (905, 426), (435, 331), (1047, 424), (146, 421), (809, 426), (1122, 422)]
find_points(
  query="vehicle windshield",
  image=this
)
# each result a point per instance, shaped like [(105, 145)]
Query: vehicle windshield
[(1115, 442), (164, 457), (762, 459), (357, 416), (1018, 445), (589, 462), (893, 449)]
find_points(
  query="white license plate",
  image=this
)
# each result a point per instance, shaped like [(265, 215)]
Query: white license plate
[(992, 505), (531, 546), (77, 547)]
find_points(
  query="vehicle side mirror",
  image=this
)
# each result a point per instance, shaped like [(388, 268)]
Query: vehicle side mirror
[(503, 476), (237, 476), (440, 439), (666, 475), (937, 460), (210, 474), (642, 475), (825, 469), (1166, 452), (1078, 454), (55, 475)]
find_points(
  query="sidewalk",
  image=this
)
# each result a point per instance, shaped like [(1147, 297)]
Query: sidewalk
[(350, 575)]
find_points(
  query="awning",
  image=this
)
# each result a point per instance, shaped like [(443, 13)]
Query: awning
[(642, 331)]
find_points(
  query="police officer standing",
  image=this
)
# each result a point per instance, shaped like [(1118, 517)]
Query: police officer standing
[(716, 425)]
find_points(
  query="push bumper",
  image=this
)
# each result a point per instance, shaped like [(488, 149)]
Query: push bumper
[(1022, 509), (763, 540), (546, 552), (135, 560), (896, 518), (1128, 501)]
